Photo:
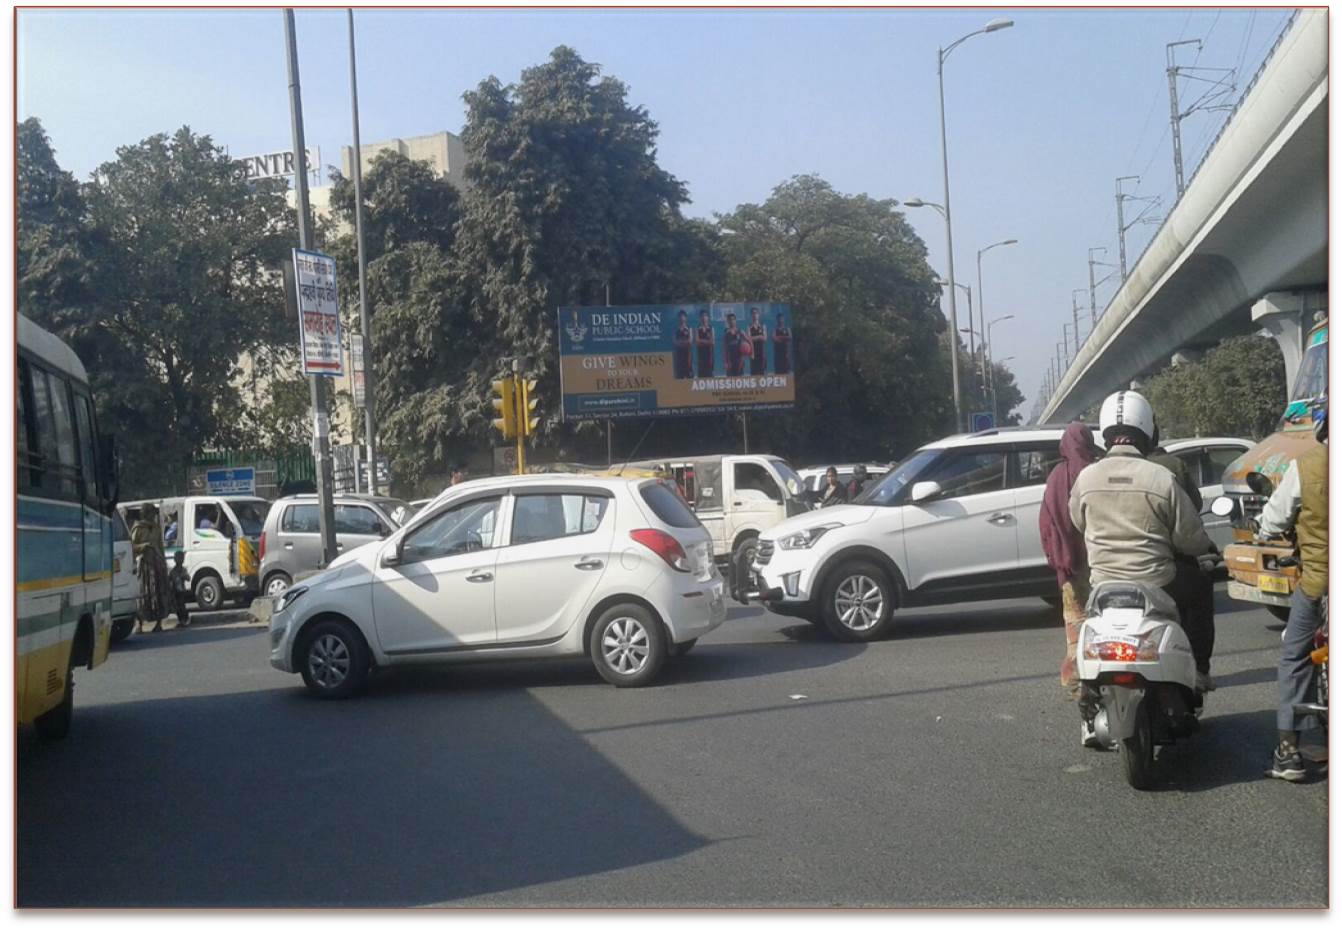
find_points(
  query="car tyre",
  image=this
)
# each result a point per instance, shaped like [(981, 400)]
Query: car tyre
[(333, 659), (743, 556), (858, 602), (628, 645), (122, 627), (276, 583), (209, 593)]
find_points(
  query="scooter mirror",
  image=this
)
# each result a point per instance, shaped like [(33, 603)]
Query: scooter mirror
[(1223, 506)]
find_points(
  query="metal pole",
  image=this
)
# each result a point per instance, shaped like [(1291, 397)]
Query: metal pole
[(983, 331), (1090, 267), (950, 248), (745, 434), (321, 437), (1122, 233), (1076, 327), (610, 440), (365, 324), (521, 417), (1172, 72)]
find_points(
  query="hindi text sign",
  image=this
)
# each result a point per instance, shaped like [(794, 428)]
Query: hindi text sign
[(318, 313)]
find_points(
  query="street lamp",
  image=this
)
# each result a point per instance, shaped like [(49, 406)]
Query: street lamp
[(979, 260), (942, 55), (988, 344)]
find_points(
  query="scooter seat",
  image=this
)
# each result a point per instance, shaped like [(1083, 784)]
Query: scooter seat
[(1132, 595)]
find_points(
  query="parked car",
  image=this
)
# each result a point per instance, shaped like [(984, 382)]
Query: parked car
[(125, 584), (291, 544), (813, 477), (958, 520), (1206, 459), (220, 536), (511, 567)]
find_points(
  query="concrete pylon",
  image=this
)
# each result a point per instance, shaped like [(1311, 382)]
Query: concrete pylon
[(1287, 316)]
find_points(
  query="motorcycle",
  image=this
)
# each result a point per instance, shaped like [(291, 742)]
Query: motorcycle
[(1138, 677)]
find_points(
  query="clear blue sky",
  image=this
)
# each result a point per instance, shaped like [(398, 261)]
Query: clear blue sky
[(1041, 118)]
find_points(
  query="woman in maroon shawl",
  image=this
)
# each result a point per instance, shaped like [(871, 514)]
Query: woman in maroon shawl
[(1064, 547)]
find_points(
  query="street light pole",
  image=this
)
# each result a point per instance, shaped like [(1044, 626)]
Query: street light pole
[(982, 302), (942, 55), (320, 424), (988, 344), (365, 325)]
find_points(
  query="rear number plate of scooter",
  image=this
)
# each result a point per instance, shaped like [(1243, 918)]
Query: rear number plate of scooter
[(1274, 584)]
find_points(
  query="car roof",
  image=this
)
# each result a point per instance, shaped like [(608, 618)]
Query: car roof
[(1001, 436), (1174, 445)]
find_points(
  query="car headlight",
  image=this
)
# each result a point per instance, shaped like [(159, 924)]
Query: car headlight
[(1113, 648), (805, 539), (288, 597)]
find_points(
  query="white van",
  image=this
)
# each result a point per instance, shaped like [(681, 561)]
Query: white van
[(221, 539), (736, 498)]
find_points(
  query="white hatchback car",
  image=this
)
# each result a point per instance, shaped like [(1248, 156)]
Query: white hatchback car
[(512, 567), (958, 520)]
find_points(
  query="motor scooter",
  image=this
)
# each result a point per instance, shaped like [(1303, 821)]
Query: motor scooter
[(1138, 677)]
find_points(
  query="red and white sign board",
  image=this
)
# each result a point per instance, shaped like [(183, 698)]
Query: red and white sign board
[(318, 313)]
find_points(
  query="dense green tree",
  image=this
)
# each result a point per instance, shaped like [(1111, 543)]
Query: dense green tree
[(178, 279), (404, 202), (872, 377), (53, 268), (1236, 389)]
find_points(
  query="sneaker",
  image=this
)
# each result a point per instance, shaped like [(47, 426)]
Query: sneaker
[(1287, 764), (1205, 682), (1088, 737)]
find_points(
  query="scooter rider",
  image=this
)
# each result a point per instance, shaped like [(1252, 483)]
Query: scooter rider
[(1304, 486), (1136, 520)]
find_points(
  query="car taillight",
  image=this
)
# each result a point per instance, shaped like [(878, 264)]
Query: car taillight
[(665, 545), (261, 547)]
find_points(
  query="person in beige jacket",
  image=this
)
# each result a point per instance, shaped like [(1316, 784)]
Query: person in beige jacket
[(1136, 519)]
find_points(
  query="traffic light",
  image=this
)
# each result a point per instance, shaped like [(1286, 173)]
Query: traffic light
[(527, 420), (505, 404)]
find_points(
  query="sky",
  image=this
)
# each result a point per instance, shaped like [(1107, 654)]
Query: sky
[(1041, 118)]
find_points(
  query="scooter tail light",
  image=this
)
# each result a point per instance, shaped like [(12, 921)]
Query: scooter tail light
[(665, 545)]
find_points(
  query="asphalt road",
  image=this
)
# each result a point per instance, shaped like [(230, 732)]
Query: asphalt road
[(771, 766)]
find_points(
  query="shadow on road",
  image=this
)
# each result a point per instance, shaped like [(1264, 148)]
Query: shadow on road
[(1249, 676), (146, 642), (1229, 750), (304, 803)]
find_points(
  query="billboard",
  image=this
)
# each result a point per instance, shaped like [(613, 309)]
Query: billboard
[(675, 359), (231, 481), (318, 313)]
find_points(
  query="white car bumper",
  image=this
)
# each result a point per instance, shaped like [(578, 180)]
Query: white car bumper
[(786, 581), (691, 606), (281, 638)]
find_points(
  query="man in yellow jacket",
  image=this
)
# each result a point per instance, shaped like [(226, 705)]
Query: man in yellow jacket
[(1304, 486)]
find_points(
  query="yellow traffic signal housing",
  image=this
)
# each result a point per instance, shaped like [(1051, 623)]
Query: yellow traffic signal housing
[(527, 419), (505, 404)]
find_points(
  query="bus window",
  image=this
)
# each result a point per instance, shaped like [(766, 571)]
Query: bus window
[(65, 435), (29, 474), (88, 458)]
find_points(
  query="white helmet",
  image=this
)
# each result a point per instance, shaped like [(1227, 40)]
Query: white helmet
[(1127, 408)]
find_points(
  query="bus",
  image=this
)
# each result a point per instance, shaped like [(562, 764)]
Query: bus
[(66, 495)]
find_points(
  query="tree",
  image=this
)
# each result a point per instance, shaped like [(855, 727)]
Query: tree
[(873, 380), (1236, 389), (52, 258), (182, 279)]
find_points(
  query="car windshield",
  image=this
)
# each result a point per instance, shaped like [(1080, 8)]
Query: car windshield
[(251, 515), (791, 480), (882, 493), (1310, 383)]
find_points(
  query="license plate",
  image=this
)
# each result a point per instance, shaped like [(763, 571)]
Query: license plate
[(1274, 584)]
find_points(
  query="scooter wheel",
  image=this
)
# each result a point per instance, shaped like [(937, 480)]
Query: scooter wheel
[(1139, 750)]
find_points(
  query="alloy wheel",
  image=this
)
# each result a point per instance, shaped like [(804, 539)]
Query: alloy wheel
[(858, 602), (625, 645), (329, 660)]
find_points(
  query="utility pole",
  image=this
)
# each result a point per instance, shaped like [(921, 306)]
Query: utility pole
[(1219, 88), (1119, 198), (320, 434), (365, 325), (610, 435), (1076, 328), (1090, 265)]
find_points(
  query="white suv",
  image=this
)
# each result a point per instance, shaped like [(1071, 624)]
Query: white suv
[(512, 568), (958, 520)]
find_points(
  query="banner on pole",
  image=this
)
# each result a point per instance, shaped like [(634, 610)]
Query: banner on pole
[(356, 367), (318, 313)]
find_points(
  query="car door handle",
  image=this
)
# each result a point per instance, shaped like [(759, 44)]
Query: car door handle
[(288, 545), (1000, 519), (738, 503), (589, 565), (480, 576)]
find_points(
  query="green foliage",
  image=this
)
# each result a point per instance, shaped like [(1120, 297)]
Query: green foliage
[(1236, 389), (172, 274), (872, 378)]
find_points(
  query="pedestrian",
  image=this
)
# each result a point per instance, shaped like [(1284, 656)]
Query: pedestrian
[(146, 541), (179, 582), (1304, 486), (1064, 546), (857, 482), (460, 473), (834, 492)]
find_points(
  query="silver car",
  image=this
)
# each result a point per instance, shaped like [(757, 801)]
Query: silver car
[(291, 544)]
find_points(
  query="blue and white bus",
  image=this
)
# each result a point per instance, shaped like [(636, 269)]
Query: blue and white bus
[(66, 495)]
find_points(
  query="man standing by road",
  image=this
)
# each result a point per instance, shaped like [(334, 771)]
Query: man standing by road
[(1136, 520), (1304, 486)]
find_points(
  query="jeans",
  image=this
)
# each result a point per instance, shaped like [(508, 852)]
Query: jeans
[(1295, 672), (1192, 591)]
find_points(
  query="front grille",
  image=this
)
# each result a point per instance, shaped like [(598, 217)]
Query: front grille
[(765, 552)]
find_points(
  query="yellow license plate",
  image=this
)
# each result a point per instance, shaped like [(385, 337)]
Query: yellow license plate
[(1274, 584)]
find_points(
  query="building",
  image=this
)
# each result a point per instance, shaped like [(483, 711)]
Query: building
[(444, 152)]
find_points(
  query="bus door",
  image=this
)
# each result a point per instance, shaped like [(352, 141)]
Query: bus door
[(97, 531)]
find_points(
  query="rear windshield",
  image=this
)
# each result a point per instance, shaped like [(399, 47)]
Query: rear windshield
[(251, 514), (667, 505)]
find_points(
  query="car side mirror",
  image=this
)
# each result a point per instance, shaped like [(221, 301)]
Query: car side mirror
[(924, 490), (392, 556)]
